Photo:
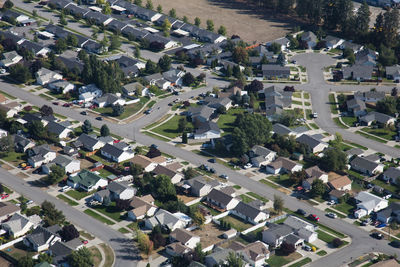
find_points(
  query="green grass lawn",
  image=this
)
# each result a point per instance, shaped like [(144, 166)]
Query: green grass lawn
[(156, 136), (355, 174), (8, 95), (297, 94), (314, 126), (301, 262), (381, 132), (69, 201), (123, 230), (14, 158), (357, 145), (371, 137), (344, 208), (78, 195), (322, 253), (308, 114), (382, 184), (264, 181), (281, 260), (339, 123), (333, 104), (237, 223), (283, 180), (237, 187), (110, 211), (48, 98), (306, 95), (325, 237), (246, 199), (256, 196), (129, 109), (169, 128), (307, 104), (225, 121), (349, 120), (97, 216), (104, 173), (297, 102)]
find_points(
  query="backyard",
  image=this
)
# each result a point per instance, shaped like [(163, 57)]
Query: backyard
[(236, 223), (225, 121)]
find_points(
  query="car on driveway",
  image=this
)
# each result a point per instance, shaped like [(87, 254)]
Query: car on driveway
[(377, 235), (313, 217), (301, 212), (331, 215), (3, 196), (248, 166), (307, 248)]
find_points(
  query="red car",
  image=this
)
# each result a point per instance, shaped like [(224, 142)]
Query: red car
[(117, 141), (314, 217), (66, 105), (3, 196), (27, 167), (85, 242), (55, 103)]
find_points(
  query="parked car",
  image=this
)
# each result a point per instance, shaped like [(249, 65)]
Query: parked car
[(29, 202), (83, 113), (395, 244), (85, 242), (2, 71), (148, 111), (307, 248), (377, 235), (3, 196), (65, 188), (224, 176), (55, 103), (99, 118), (212, 170), (331, 202), (381, 225), (301, 212), (248, 166), (332, 215), (212, 160), (313, 217), (315, 115)]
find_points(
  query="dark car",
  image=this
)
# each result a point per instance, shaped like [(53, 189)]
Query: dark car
[(395, 244), (301, 212), (99, 118), (83, 113), (377, 235), (212, 160)]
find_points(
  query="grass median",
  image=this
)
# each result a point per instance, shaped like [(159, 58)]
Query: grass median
[(98, 216), (66, 199)]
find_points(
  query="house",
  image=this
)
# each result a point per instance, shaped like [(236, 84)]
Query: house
[(367, 203), (11, 109), (207, 130), (174, 76), (18, 225), (176, 177), (37, 49), (109, 99), (392, 212), (366, 55), (356, 106), (86, 181), (45, 76), (22, 144), (261, 156), (199, 187), (392, 174), (255, 254), (310, 38), (7, 209), (114, 153), (42, 238), (314, 173), (89, 142), (20, 19), (370, 96), (216, 103), (93, 47), (336, 195), (153, 78), (59, 4), (146, 163), (302, 228), (135, 88), (333, 42), (273, 71), (119, 190), (141, 207), (10, 58), (283, 42), (355, 47), (339, 182), (366, 166), (166, 220), (231, 233), (218, 257), (312, 143), (393, 73), (184, 237), (39, 155), (250, 213), (275, 100), (200, 114), (276, 234), (283, 165), (377, 117), (60, 251), (281, 129), (354, 152), (98, 18), (59, 130), (358, 72), (61, 87), (221, 200), (70, 165), (177, 249)]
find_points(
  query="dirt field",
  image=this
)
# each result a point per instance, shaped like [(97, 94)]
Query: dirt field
[(238, 18), (209, 234)]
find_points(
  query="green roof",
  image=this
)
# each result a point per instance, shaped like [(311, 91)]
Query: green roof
[(86, 178)]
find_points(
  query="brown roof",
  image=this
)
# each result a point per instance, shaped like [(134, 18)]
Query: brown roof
[(386, 263), (140, 211), (137, 202), (228, 190), (256, 250), (174, 166), (7, 208), (148, 198), (339, 181), (2, 98), (283, 163), (164, 170), (181, 235), (229, 92), (235, 245), (178, 248), (12, 105), (159, 159), (314, 171), (337, 193), (141, 160)]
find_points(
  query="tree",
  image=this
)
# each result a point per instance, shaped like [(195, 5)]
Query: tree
[(334, 160), (37, 130), (81, 258), (87, 127), (281, 60), (159, 9), (115, 42), (149, 4), (107, 9), (56, 174), (164, 63), (182, 123), (20, 73), (63, 21), (144, 242), (122, 204), (275, 47), (198, 218), (51, 215), (135, 169), (8, 4), (387, 105), (172, 13), (46, 111), (197, 21), (189, 173), (337, 242), (163, 188), (106, 201), (185, 19), (25, 261), (361, 21), (318, 188), (45, 257), (151, 67), (138, 2), (188, 79), (117, 110), (240, 55), (104, 130), (153, 152), (72, 40), (210, 25), (387, 56), (1, 189), (156, 236), (234, 260), (6, 144), (137, 52), (199, 255), (287, 248), (69, 232), (222, 30), (166, 26), (60, 45), (254, 86), (278, 203)]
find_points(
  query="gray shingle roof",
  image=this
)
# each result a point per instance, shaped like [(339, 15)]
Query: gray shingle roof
[(219, 197), (247, 210), (309, 140), (362, 163), (376, 116)]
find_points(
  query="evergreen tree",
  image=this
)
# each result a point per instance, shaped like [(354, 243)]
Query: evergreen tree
[(104, 130), (87, 127)]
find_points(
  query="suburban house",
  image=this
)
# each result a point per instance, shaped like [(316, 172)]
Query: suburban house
[(7, 209), (207, 130), (176, 177), (392, 212), (115, 190), (146, 163), (336, 195), (283, 42), (199, 187), (218, 257), (314, 173), (392, 174), (393, 73), (90, 142), (366, 57), (332, 42), (200, 114), (61, 250), (283, 165), (310, 38), (135, 88), (314, 144), (358, 72), (109, 100), (89, 92), (69, 164), (367, 203), (39, 155), (356, 106), (10, 58), (370, 96), (166, 220), (61, 87), (302, 228), (45, 76), (22, 144), (18, 225), (339, 182), (141, 207), (42, 238), (366, 166), (217, 102), (276, 234), (115, 153), (184, 237), (174, 76), (353, 46), (377, 117), (250, 213), (273, 71), (261, 156), (354, 152), (275, 101), (61, 130), (281, 129), (176, 249), (86, 180), (254, 253), (11, 109), (20, 19), (220, 200)]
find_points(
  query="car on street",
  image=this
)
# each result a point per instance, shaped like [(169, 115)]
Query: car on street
[(55, 103), (67, 105), (301, 212), (377, 235), (148, 111), (212, 160), (224, 176), (29, 202), (331, 202), (2, 71), (395, 244), (332, 215), (313, 217), (212, 170), (83, 113), (85, 242), (248, 166), (315, 115), (99, 118), (381, 225)]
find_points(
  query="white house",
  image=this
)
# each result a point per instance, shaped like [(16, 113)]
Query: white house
[(250, 213), (185, 237), (10, 58), (114, 153), (45, 76), (147, 164), (367, 203), (207, 130), (69, 164), (261, 156), (283, 165), (314, 173), (121, 190), (302, 228), (40, 155), (109, 100), (176, 177), (339, 182), (165, 219), (255, 253), (221, 200), (366, 166), (11, 109), (61, 86), (141, 207), (87, 181), (314, 144), (19, 225), (90, 142), (42, 238)]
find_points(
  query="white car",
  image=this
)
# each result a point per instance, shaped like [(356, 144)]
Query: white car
[(2, 71), (332, 215), (65, 188), (248, 166), (315, 115)]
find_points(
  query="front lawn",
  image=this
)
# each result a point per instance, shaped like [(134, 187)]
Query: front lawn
[(225, 121), (67, 200), (252, 194), (344, 208), (283, 180), (332, 102), (281, 260), (78, 195), (325, 237), (97, 216), (381, 132), (110, 211), (14, 158), (301, 262), (246, 199), (373, 137), (349, 120), (169, 128)]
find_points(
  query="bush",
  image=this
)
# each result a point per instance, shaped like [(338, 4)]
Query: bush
[(337, 242)]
